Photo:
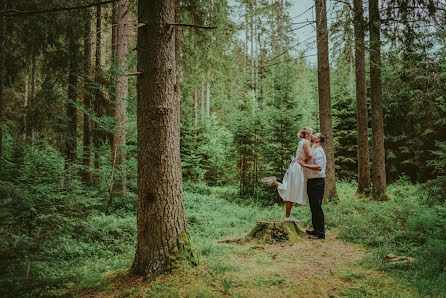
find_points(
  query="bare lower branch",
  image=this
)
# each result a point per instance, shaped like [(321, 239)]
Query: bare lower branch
[(192, 25), (15, 12)]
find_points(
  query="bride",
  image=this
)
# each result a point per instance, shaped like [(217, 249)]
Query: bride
[(293, 188)]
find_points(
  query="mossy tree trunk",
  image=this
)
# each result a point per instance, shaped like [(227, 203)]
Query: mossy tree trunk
[(163, 237)]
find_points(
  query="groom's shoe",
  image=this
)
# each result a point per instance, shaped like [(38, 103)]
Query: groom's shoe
[(315, 237), (310, 232)]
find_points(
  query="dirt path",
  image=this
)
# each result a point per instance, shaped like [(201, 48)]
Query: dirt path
[(307, 268)]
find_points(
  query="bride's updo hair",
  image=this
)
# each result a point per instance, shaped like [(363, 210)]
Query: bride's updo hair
[(305, 131)]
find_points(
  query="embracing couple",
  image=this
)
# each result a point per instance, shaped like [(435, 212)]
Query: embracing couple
[(305, 176)]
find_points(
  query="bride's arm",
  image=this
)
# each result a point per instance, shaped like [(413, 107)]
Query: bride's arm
[(308, 151)]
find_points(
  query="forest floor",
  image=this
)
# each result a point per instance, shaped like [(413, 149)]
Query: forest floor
[(348, 263), (306, 268)]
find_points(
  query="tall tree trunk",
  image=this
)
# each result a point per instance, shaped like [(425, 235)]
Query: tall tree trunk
[(378, 154), (195, 99), (178, 72), (114, 31), (245, 45), (97, 99), (202, 99), (31, 102), (163, 237), (251, 12), (281, 31), (256, 62), (121, 83), (361, 99), (208, 94), (71, 136), (87, 139), (323, 79), (2, 75), (25, 106)]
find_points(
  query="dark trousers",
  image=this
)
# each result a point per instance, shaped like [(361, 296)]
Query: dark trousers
[(315, 191)]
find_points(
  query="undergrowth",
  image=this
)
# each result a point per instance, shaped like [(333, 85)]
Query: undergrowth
[(56, 234)]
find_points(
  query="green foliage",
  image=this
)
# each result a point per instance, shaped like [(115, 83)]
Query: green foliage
[(436, 186), (402, 226)]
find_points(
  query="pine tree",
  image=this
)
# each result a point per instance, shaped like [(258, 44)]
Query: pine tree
[(163, 237)]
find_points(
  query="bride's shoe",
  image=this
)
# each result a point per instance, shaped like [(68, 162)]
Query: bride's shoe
[(270, 179)]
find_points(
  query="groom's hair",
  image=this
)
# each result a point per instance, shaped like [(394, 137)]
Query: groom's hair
[(321, 138)]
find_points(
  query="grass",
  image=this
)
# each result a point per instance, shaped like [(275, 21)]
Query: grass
[(91, 255)]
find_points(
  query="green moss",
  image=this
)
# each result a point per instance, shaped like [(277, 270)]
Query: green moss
[(183, 253), (272, 232)]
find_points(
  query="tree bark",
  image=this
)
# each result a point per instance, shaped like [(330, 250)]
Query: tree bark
[(121, 83), (323, 78), (87, 139), (378, 154), (2, 75), (361, 99), (163, 238), (97, 99), (25, 106)]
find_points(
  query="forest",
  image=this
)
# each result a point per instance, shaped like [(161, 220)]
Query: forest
[(134, 136)]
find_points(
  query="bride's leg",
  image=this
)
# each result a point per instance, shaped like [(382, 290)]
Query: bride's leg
[(288, 208)]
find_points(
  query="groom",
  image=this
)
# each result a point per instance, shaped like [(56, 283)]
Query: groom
[(315, 185)]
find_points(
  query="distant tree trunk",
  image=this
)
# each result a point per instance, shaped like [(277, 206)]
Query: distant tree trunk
[(97, 99), (121, 82), (323, 79), (361, 99), (25, 106), (195, 99), (208, 94), (202, 99), (281, 31), (251, 12), (163, 238), (87, 140), (71, 136), (378, 154), (33, 98), (2, 75), (114, 31), (245, 44)]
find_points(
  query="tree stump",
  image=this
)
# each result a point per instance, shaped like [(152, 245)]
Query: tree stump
[(272, 231)]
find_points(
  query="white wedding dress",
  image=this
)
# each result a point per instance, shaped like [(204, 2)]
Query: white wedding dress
[(294, 185)]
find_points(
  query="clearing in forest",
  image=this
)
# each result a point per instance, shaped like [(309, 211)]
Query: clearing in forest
[(305, 268)]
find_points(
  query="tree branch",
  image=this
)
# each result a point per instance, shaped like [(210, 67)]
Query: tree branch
[(15, 12), (192, 25)]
